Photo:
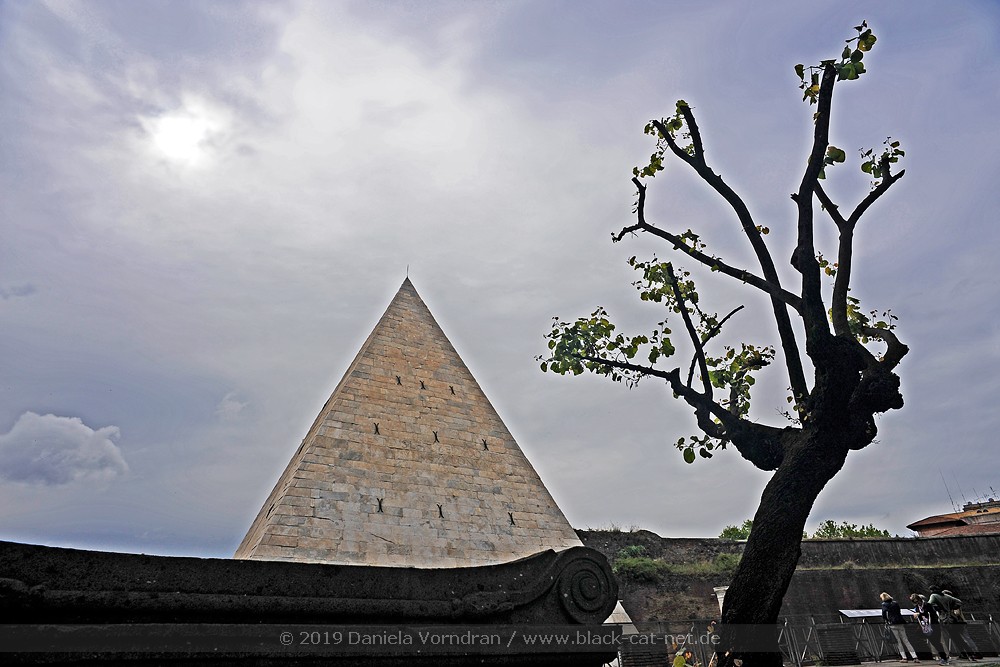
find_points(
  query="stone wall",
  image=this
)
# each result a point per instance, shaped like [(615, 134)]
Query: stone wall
[(832, 574), (916, 551), (822, 592)]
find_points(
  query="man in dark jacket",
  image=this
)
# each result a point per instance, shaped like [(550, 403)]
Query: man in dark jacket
[(949, 610)]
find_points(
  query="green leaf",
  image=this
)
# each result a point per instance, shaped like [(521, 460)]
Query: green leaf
[(800, 70), (689, 455)]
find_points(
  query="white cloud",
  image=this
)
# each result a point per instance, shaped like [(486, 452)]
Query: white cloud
[(53, 450), (229, 408)]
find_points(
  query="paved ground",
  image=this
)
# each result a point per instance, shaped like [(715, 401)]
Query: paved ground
[(985, 662)]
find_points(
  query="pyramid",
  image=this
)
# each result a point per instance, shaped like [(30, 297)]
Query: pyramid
[(407, 464)]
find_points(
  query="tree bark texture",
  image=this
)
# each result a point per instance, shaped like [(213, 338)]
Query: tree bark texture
[(843, 403)]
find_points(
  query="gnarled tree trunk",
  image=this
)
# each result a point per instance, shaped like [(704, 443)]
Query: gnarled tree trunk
[(753, 601)]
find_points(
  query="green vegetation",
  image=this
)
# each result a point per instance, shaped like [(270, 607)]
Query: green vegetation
[(631, 551), (613, 527), (640, 568), (741, 532), (726, 562), (826, 530), (652, 570), (831, 529)]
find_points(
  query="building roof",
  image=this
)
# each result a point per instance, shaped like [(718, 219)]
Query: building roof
[(967, 529), (407, 464), (974, 519), (937, 520)]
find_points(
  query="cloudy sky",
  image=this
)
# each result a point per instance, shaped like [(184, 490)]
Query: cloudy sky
[(206, 206)]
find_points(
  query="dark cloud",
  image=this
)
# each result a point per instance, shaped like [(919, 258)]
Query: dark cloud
[(14, 291), (217, 200), (53, 450)]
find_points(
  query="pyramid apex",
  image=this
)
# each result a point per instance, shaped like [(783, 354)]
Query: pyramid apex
[(407, 288)]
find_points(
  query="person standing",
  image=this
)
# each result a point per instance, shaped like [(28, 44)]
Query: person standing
[(930, 625), (957, 627), (897, 626)]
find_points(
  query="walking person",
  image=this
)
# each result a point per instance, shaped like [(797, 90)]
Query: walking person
[(897, 626), (930, 625)]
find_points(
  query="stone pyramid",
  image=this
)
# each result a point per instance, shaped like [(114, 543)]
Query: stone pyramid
[(407, 464)]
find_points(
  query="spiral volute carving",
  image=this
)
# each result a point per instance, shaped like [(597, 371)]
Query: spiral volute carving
[(587, 589)]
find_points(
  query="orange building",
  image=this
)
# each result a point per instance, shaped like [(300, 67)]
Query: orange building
[(974, 519)]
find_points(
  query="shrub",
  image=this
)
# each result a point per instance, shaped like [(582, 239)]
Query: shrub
[(740, 532), (631, 551), (726, 563), (640, 568)]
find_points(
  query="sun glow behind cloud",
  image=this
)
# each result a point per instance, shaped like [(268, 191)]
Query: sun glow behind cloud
[(188, 135)]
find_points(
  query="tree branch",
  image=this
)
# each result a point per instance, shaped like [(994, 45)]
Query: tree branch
[(895, 350), (674, 148), (693, 398), (757, 443), (872, 196), (692, 125), (845, 250), (709, 336), (804, 255), (790, 349), (829, 206), (714, 263), (761, 445), (699, 349)]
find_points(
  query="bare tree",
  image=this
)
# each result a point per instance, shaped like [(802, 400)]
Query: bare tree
[(829, 416)]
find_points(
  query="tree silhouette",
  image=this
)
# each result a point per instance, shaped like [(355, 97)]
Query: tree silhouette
[(829, 416)]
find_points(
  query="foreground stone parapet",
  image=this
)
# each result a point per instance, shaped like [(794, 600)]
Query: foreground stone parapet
[(46, 585)]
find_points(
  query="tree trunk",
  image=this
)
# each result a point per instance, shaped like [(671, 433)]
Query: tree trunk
[(774, 545)]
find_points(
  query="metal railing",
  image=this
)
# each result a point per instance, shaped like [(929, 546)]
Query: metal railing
[(824, 640)]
